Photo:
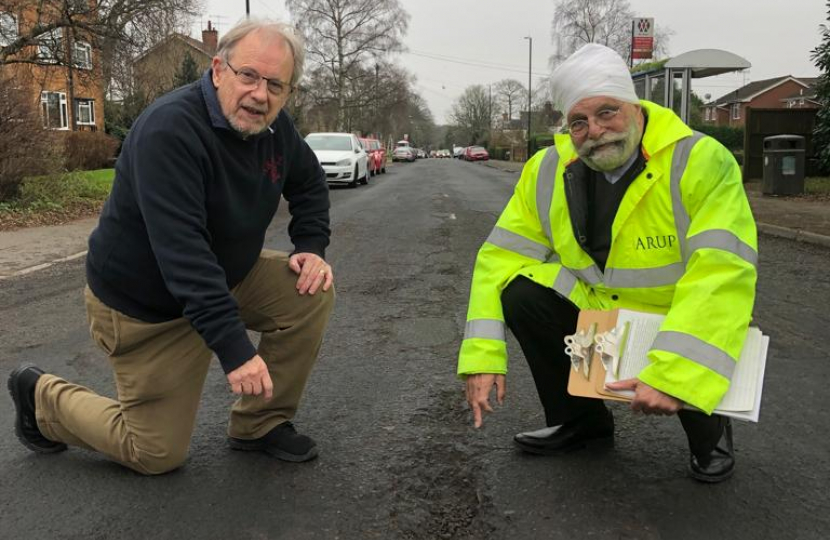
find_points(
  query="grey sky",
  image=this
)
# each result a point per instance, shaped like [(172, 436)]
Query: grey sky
[(446, 36)]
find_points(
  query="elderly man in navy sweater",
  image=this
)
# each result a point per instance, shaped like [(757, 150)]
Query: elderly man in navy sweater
[(177, 271)]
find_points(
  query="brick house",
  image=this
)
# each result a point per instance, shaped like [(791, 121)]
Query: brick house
[(805, 98), (62, 72), (730, 109), (154, 71)]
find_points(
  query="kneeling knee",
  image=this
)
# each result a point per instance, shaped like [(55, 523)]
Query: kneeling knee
[(156, 463), (516, 297)]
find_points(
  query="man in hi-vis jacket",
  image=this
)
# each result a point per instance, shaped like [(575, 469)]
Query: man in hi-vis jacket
[(630, 209)]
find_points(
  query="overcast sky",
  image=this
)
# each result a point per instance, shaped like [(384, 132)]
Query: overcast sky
[(456, 43)]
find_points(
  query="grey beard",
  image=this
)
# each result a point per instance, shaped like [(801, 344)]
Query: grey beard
[(625, 145), (245, 132)]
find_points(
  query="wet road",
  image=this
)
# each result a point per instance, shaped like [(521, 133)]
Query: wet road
[(398, 456)]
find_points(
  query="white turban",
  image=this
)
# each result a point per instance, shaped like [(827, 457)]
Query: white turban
[(593, 70)]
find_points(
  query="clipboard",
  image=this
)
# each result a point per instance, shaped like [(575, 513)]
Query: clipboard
[(594, 385)]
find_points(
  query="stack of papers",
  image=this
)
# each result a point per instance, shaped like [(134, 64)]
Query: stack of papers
[(743, 399)]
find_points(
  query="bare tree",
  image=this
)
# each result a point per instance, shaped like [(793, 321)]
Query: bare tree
[(26, 149), (344, 37), (47, 23), (510, 91), (471, 113), (47, 32), (607, 22)]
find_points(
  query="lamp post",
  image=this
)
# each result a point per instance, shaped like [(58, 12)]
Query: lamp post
[(247, 8), (529, 69)]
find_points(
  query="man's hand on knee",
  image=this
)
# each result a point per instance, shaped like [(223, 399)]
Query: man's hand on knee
[(478, 387), (313, 271), (252, 378)]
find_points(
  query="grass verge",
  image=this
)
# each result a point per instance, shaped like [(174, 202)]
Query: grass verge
[(818, 187), (56, 199)]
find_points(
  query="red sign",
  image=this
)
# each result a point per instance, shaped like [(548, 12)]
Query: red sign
[(643, 48)]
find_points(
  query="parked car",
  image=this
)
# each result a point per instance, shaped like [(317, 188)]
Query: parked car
[(377, 156), (403, 153), (458, 151), (342, 157), (476, 153)]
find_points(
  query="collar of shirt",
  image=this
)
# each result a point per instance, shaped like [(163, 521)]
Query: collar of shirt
[(217, 117), (616, 174)]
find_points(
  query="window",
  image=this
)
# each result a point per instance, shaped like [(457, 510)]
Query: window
[(707, 115), (82, 55), (50, 46), (53, 108), (8, 29), (736, 111), (85, 112)]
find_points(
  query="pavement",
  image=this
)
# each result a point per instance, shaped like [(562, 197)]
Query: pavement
[(23, 251)]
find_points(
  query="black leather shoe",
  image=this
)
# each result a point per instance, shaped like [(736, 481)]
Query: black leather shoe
[(581, 433), (283, 442), (719, 464), (22, 383)]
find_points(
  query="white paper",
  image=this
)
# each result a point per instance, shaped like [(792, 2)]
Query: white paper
[(742, 400)]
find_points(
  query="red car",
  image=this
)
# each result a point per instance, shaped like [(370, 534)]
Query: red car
[(476, 153), (377, 156)]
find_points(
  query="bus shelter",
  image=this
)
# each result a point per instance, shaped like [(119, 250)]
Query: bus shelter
[(652, 84)]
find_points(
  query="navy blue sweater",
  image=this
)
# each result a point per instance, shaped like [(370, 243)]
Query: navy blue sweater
[(187, 215)]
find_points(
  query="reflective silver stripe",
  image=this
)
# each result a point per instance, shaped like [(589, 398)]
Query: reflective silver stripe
[(678, 166), (484, 329), (622, 278), (696, 350), (518, 244), (590, 275), (726, 241), (544, 190), (565, 282)]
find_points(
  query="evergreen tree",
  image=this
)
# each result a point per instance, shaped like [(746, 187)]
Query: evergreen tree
[(187, 72), (821, 57)]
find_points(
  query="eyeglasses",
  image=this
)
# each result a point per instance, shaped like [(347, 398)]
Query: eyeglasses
[(604, 118), (250, 77)]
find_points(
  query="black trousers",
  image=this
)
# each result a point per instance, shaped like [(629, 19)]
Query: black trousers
[(540, 319)]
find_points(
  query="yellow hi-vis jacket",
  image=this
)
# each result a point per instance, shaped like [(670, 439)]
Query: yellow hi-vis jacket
[(683, 243)]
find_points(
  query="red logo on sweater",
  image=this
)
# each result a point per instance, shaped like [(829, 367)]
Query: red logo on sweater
[(272, 169)]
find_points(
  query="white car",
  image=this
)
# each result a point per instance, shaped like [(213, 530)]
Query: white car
[(403, 153), (342, 157)]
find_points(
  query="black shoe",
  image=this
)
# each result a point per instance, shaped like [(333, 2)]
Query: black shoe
[(719, 464), (581, 433), (22, 383), (283, 442)]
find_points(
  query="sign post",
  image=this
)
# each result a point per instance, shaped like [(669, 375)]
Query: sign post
[(642, 39)]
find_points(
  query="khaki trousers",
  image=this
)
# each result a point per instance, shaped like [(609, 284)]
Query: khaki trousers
[(160, 369)]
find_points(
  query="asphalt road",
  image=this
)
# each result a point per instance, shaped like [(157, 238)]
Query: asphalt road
[(399, 458)]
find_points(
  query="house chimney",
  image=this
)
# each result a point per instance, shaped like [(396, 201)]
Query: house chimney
[(210, 38)]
